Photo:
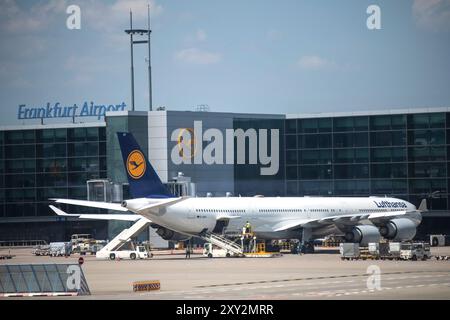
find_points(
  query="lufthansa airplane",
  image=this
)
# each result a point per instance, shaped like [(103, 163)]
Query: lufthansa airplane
[(359, 219)]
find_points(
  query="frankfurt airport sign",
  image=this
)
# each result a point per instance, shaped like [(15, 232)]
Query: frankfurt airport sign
[(58, 111)]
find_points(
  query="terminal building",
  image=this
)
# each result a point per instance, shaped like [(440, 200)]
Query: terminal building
[(400, 153)]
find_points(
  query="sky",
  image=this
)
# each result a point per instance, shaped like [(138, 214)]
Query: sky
[(253, 56)]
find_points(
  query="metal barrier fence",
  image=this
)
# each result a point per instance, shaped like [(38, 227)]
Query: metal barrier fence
[(42, 280), (22, 243)]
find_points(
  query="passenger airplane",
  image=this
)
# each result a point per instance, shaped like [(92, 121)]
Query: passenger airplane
[(359, 219)]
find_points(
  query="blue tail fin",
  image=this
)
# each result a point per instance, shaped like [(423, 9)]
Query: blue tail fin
[(144, 182)]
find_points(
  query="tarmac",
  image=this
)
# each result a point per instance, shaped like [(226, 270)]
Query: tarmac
[(322, 275)]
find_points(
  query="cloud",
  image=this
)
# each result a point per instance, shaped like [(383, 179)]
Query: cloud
[(12, 74), (200, 35), (112, 16), (139, 8), (314, 63), (433, 15), (197, 56), (17, 20), (192, 38), (273, 35), (86, 69)]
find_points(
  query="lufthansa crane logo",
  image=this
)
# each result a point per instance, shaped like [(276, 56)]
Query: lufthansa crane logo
[(136, 164)]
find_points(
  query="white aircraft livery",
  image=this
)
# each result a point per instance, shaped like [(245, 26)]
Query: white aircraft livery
[(359, 219)]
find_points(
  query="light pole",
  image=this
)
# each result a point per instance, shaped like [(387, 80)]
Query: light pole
[(141, 32)]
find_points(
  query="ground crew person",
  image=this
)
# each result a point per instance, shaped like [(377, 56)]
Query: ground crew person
[(188, 249), (248, 227)]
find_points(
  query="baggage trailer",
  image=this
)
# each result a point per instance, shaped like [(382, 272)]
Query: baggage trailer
[(42, 250), (352, 251), (386, 251), (349, 251), (60, 249), (393, 251)]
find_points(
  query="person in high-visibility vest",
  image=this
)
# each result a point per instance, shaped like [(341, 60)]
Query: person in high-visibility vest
[(248, 227)]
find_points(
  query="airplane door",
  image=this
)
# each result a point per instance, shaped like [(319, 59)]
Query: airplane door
[(191, 214)]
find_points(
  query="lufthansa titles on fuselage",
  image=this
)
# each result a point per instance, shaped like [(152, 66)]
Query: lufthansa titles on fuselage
[(390, 204)]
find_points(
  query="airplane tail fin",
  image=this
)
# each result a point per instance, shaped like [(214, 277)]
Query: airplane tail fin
[(143, 179), (423, 205)]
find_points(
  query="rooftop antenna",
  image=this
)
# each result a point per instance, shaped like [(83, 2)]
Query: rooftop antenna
[(132, 62), (149, 62), (140, 32)]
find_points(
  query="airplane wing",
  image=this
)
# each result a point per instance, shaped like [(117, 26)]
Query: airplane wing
[(93, 204), (225, 217), (347, 219), (292, 224), (118, 217), (376, 217), (115, 206)]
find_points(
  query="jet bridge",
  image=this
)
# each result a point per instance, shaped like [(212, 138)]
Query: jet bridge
[(124, 237)]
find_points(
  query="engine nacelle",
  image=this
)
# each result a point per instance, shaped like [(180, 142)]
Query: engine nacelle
[(171, 235), (399, 229), (135, 204), (363, 234)]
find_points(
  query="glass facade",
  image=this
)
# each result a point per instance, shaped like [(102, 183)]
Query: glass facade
[(138, 126), (400, 155), (248, 180), (36, 165)]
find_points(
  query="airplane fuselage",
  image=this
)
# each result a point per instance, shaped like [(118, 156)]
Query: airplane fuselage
[(195, 215)]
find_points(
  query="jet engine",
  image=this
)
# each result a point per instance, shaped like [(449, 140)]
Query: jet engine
[(363, 234), (135, 204), (399, 229), (171, 235)]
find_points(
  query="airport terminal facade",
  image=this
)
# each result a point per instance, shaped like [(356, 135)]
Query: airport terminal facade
[(400, 153)]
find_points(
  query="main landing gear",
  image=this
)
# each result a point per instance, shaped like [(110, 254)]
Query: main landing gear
[(306, 245)]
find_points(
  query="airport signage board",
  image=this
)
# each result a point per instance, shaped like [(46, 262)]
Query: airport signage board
[(56, 110)]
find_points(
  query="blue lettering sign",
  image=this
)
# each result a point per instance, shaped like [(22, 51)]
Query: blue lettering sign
[(59, 111)]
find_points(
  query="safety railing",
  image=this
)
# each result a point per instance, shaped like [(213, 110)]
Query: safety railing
[(42, 279), (22, 243)]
